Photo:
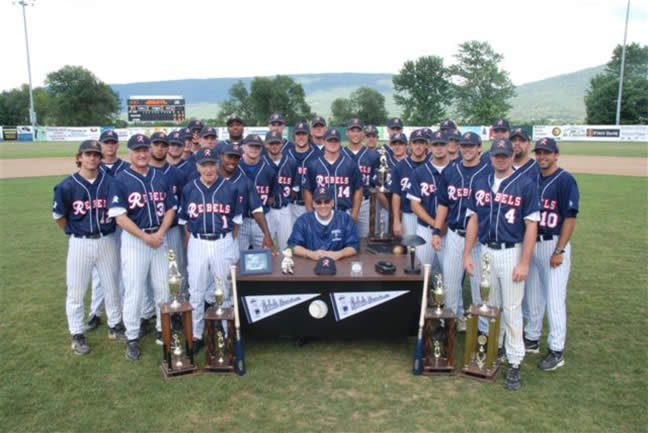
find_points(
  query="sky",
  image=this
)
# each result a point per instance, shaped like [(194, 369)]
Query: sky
[(123, 41)]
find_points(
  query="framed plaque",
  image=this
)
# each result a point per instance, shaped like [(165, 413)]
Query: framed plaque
[(256, 262)]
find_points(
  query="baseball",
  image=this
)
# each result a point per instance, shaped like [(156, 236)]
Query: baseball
[(318, 309), (398, 250)]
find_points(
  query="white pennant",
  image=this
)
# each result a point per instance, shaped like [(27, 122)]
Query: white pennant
[(259, 307), (349, 303)]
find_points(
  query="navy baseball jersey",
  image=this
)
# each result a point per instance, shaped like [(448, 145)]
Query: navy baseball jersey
[(530, 168), (263, 177), (302, 159), (501, 213), (221, 145), (343, 175), (209, 209), (311, 234), (189, 168), (287, 146), (176, 179), (114, 168), (367, 162), (400, 177), (559, 198), (391, 164), (423, 187), (144, 198), (454, 191), (285, 180), (248, 197), (84, 204)]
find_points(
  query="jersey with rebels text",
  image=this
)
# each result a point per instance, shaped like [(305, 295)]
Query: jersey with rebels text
[(457, 182), (84, 204), (145, 198), (342, 175), (338, 234), (302, 159), (114, 168), (400, 178), (367, 162), (423, 187), (189, 168), (209, 209), (263, 177), (248, 197), (285, 180), (559, 198), (176, 178), (501, 214)]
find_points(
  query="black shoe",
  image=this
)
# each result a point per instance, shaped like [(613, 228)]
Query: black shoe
[(158, 338), (93, 323), (145, 327), (117, 332), (208, 305), (79, 344), (501, 354), (513, 377), (133, 352), (552, 361), (197, 344), (531, 346)]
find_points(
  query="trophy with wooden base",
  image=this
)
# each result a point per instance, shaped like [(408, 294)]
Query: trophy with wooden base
[(480, 355), (219, 332), (176, 361), (380, 225), (439, 335)]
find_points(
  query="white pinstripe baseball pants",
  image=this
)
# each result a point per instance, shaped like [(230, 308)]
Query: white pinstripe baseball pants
[(363, 219), (280, 224), (250, 234), (97, 298), (409, 223), (426, 253), (296, 210), (83, 256)]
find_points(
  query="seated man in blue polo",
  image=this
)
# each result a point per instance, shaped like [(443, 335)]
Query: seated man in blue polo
[(324, 232)]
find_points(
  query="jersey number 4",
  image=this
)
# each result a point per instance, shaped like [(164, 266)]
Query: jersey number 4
[(510, 216)]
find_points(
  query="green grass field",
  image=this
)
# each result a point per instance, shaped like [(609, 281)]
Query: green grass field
[(12, 150), (328, 385)]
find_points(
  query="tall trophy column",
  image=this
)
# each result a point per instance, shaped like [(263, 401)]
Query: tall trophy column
[(439, 334), (380, 229), (219, 334)]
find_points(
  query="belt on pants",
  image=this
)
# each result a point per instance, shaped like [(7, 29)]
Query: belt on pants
[(151, 229), (500, 245), (209, 236), (90, 235), (299, 202), (541, 238), (279, 207), (461, 233)]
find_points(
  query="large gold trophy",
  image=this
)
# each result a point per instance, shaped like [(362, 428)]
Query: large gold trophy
[(439, 334), (176, 361), (219, 333), (480, 355), (383, 231)]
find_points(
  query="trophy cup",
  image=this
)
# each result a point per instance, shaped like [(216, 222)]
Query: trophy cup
[(438, 352), (378, 234), (219, 321), (480, 354), (175, 362), (438, 295), (411, 242)]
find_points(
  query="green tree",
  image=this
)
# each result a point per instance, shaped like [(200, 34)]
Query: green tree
[(423, 90), (280, 94), (239, 103), (79, 98), (364, 103), (601, 97), (14, 106), (482, 88)]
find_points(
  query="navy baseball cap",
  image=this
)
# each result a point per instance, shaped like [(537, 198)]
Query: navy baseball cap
[(318, 120), (453, 134), (195, 124), (206, 154), (276, 118), (470, 139), (399, 137), (109, 135), (208, 131), (234, 118), (90, 146), (253, 140), (418, 135), (137, 141), (395, 122), (519, 132), (175, 138), (371, 130), (502, 146), (186, 134), (548, 144), (439, 137), (447, 124), (159, 136), (301, 127), (232, 149), (273, 137), (332, 134), (501, 124), (325, 266), (323, 193), (355, 123)]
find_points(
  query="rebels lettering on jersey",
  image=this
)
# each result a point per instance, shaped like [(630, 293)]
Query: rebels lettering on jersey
[(285, 180), (338, 234), (114, 168), (343, 175), (247, 195), (145, 198), (263, 177), (457, 185), (400, 180), (367, 161), (501, 214), (209, 209), (559, 197), (84, 204), (423, 187), (302, 159)]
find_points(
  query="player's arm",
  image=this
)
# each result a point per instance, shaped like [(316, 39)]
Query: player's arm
[(61, 222), (263, 225), (357, 200), (569, 198), (440, 223), (308, 199), (521, 270), (382, 199), (358, 191), (60, 206), (187, 235), (472, 228), (127, 224), (396, 209), (569, 224), (341, 254)]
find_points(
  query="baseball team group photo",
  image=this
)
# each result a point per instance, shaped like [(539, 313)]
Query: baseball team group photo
[(435, 249)]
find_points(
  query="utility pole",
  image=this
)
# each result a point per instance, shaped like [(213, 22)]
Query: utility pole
[(625, 35)]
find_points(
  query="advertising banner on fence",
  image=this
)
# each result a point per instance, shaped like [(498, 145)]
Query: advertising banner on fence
[(1, 134), (25, 133), (72, 133), (592, 132)]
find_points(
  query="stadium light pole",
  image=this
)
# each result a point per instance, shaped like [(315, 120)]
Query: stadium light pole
[(32, 113), (625, 35)]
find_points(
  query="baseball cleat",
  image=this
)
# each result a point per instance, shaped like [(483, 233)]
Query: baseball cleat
[(158, 338), (552, 361), (117, 332), (133, 352), (93, 323), (501, 354), (513, 377), (79, 344), (531, 346)]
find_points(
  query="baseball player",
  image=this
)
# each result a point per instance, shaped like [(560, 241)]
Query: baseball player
[(318, 129), (394, 126), (263, 178), (405, 224), (208, 137), (503, 213), (371, 136), (144, 206), (80, 209), (453, 136), (187, 138), (340, 172), (176, 149), (447, 125), (276, 122), (367, 162), (455, 187), (303, 152), (382, 214), (196, 127), (500, 129), (551, 260), (235, 128), (211, 213)]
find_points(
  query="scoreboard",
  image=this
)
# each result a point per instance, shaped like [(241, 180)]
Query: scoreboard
[(156, 108)]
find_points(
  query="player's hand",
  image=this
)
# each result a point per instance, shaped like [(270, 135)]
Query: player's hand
[(268, 243), (436, 242), (520, 272), (556, 260), (153, 241), (468, 264), (398, 229)]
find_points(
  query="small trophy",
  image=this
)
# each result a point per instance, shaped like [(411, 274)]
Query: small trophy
[(219, 353), (378, 234), (176, 352), (287, 264), (219, 295), (221, 346), (175, 279), (438, 295), (485, 283)]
